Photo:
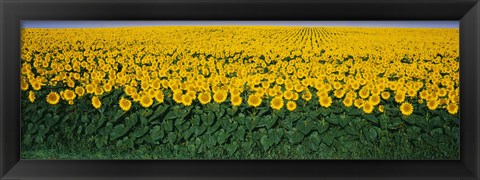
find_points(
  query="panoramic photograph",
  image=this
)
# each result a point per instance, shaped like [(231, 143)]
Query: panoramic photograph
[(240, 90)]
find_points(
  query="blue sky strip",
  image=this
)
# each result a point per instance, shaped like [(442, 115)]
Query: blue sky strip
[(99, 24)]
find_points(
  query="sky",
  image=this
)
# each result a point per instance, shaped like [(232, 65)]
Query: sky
[(96, 24)]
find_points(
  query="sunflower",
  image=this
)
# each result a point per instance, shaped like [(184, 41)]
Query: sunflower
[(442, 92), (107, 87), (374, 100), (358, 103), (291, 105), (443, 101), (347, 102), (406, 108), (159, 96), (69, 94), (423, 94), (24, 85), (235, 92), (177, 96), (295, 96), (364, 93), (53, 98), (98, 91), (36, 86), (325, 101), (96, 102), (236, 100), (90, 89), (337, 85), (452, 108), (204, 97), (80, 91), (385, 95), (299, 88), (136, 97), (288, 95), (376, 91), (307, 95), (254, 100), (125, 104), (31, 96), (381, 108), (367, 107), (420, 101), (399, 97), (146, 101), (220, 96), (277, 103), (187, 100), (321, 94), (192, 94)]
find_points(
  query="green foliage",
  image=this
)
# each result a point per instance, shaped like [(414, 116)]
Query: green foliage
[(215, 131)]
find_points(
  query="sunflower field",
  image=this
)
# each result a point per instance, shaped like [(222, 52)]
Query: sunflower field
[(240, 92)]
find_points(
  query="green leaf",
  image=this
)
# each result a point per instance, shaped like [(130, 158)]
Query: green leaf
[(251, 123), (101, 141), (324, 111), (196, 120), (222, 136), (354, 112), (200, 130), (220, 112), (343, 120), (168, 125), (118, 131), (315, 138), (187, 134), (262, 111), (173, 114), (208, 118), (171, 138), (268, 121), (266, 142), (160, 110), (294, 136), (383, 120), (305, 126), (210, 140), (146, 112), (371, 118), (179, 121), (437, 122), (276, 135), (139, 132), (413, 132), (351, 130), (117, 116), (231, 111), (156, 134), (328, 139), (130, 121), (240, 133), (332, 119), (372, 135), (322, 127), (228, 125), (232, 148), (212, 129), (395, 123)]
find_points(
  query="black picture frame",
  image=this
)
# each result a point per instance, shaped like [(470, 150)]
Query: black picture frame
[(13, 11)]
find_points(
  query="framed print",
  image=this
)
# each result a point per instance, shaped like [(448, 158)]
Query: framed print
[(239, 89)]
